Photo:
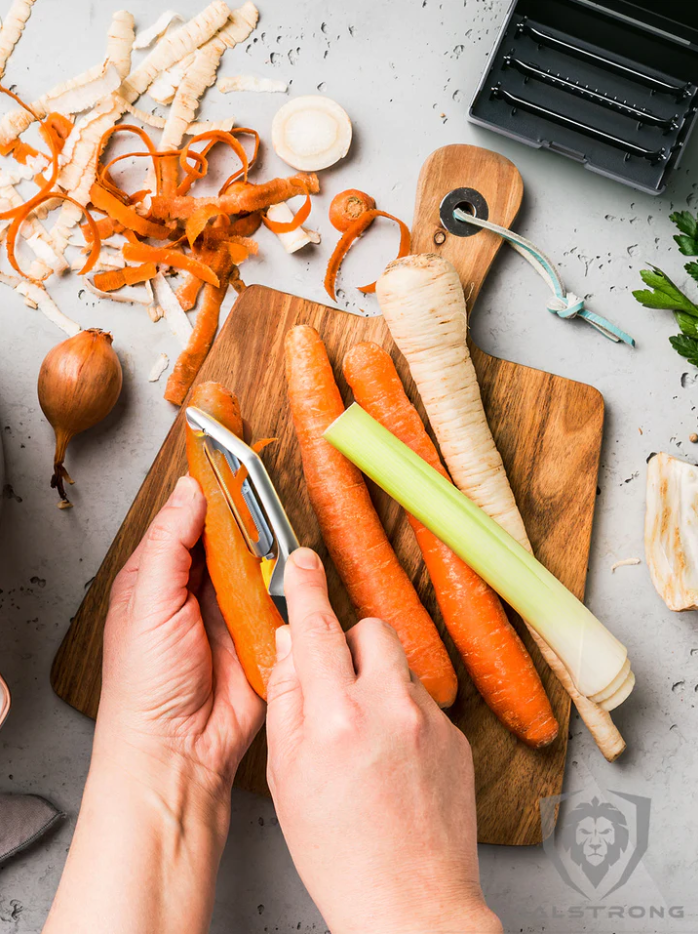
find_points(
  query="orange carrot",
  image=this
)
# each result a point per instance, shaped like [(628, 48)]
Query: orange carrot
[(376, 583), (192, 357), (240, 198), (493, 653), (348, 206), (142, 253), (106, 226), (130, 275), (300, 218), (247, 608)]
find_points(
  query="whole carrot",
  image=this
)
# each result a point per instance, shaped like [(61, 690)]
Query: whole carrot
[(492, 652), (247, 608), (376, 582)]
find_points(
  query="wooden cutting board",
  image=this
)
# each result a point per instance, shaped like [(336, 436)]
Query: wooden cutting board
[(547, 428)]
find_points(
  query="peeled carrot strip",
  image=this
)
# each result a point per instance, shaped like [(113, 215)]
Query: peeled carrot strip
[(25, 210), (58, 124), (188, 292), (490, 647), (243, 226), (106, 227), (247, 608), (243, 199), (197, 222), (362, 223), (192, 357), (301, 217), (375, 581), (20, 150), (142, 253), (244, 131), (125, 215), (130, 275)]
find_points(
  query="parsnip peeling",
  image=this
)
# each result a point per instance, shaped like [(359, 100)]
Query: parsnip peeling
[(79, 157), (158, 368), (201, 73), (173, 47), (38, 296), (164, 88), (120, 42), (172, 310), (128, 294), (251, 83), (146, 37), (201, 126), (671, 530), (12, 30), (296, 239), (33, 231)]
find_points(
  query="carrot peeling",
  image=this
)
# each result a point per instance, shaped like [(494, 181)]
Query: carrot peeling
[(142, 253), (130, 275), (376, 582), (493, 653), (300, 218), (355, 230), (125, 215), (192, 357)]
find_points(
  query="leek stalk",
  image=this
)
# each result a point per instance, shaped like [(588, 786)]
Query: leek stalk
[(595, 659)]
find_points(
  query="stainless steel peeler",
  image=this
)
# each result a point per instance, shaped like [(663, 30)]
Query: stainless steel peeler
[(275, 538)]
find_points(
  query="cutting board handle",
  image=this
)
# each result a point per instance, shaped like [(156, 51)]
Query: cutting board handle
[(486, 174)]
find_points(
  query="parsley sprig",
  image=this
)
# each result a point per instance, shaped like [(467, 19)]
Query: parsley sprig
[(664, 294)]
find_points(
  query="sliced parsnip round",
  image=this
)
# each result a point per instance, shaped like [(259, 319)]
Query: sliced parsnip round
[(311, 133)]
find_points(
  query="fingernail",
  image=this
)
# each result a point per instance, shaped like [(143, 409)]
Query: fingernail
[(283, 642), (183, 493), (306, 558)]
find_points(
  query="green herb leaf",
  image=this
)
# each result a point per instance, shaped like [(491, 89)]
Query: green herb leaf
[(687, 323), (686, 346), (664, 293), (686, 223), (687, 245), (692, 270)]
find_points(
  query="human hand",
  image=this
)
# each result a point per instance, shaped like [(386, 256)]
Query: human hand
[(173, 690), (373, 785)]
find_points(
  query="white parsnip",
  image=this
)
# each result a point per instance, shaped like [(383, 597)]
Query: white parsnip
[(12, 30), (171, 309), (174, 46), (422, 300)]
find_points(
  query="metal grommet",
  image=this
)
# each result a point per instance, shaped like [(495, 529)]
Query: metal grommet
[(440, 237), (467, 199)]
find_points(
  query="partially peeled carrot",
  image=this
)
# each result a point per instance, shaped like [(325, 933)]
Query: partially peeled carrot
[(375, 581), (248, 610), (492, 651)]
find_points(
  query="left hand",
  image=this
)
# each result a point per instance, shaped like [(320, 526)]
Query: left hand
[(173, 689)]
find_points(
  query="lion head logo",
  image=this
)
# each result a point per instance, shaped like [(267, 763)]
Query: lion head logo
[(595, 834)]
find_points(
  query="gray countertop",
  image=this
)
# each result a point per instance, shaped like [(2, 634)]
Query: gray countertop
[(405, 73)]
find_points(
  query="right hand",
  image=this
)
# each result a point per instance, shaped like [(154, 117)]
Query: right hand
[(373, 785)]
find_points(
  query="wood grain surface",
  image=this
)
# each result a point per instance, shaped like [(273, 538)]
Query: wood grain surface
[(547, 428)]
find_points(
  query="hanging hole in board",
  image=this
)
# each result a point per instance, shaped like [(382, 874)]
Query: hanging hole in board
[(464, 201)]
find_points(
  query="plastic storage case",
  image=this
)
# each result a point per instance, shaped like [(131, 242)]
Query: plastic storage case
[(611, 84)]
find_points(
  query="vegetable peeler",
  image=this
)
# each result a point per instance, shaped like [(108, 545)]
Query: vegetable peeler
[(257, 509)]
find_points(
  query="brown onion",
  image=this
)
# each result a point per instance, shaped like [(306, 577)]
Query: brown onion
[(79, 383)]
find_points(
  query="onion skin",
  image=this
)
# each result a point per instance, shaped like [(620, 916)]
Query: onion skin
[(348, 206), (79, 383)]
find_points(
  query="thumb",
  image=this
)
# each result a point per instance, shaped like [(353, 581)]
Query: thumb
[(284, 702), (162, 587)]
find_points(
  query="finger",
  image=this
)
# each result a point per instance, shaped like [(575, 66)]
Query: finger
[(231, 687), (284, 702), (320, 651), (377, 652), (165, 560)]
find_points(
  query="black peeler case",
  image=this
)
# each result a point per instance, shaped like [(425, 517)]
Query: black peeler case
[(612, 84)]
